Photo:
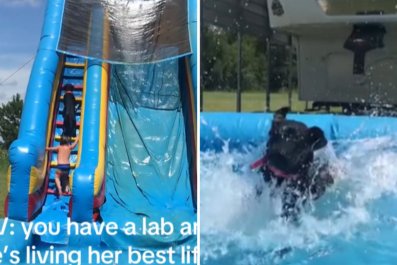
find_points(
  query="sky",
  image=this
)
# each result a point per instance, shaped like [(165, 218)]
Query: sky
[(20, 30)]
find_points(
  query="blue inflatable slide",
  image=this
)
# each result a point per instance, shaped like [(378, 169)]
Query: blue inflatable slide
[(135, 160)]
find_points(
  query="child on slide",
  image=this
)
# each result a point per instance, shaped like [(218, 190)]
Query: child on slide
[(64, 150)]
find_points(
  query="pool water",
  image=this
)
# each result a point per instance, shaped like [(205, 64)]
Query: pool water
[(354, 223)]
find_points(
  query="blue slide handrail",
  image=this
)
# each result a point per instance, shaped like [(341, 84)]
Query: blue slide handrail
[(28, 150), (86, 176)]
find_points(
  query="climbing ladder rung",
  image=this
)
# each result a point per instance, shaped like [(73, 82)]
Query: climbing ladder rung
[(60, 123), (54, 164), (58, 138), (72, 76), (76, 87), (74, 65), (78, 113), (53, 192)]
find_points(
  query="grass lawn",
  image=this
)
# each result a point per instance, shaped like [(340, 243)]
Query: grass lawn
[(3, 184), (251, 101)]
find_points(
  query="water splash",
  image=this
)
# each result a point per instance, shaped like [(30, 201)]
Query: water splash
[(352, 222)]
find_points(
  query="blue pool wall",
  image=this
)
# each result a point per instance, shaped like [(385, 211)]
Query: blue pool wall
[(242, 130)]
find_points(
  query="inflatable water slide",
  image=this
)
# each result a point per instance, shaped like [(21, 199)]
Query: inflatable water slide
[(135, 160)]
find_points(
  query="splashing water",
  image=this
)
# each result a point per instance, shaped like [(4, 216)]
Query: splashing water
[(354, 222)]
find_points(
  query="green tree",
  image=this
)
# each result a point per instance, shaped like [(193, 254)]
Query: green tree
[(212, 63), (219, 60), (254, 64), (10, 117)]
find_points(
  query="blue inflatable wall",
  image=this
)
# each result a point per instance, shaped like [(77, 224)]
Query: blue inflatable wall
[(244, 130), (26, 154)]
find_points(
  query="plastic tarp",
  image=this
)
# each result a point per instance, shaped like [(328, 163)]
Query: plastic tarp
[(139, 31), (147, 167)]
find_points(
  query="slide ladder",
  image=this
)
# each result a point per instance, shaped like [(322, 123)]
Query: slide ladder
[(72, 72)]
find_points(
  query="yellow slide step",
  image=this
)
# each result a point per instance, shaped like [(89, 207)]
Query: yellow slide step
[(55, 164), (58, 138), (74, 65)]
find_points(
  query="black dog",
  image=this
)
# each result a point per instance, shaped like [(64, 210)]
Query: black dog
[(69, 112), (288, 162)]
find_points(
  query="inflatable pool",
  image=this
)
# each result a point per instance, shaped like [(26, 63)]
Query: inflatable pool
[(354, 223)]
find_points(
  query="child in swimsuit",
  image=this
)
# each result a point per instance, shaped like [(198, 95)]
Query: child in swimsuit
[(64, 150)]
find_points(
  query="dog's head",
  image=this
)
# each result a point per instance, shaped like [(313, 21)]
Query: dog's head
[(291, 144)]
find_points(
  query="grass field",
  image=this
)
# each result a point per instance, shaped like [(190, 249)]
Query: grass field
[(251, 101), (3, 185)]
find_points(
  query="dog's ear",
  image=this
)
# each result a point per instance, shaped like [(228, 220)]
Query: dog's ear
[(316, 138), (278, 117), (281, 114)]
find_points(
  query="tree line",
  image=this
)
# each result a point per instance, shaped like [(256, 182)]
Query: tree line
[(10, 118), (219, 62)]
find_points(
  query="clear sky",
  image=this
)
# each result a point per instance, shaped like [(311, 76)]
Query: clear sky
[(20, 28)]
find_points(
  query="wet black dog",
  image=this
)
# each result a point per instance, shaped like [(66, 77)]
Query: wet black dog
[(69, 112), (288, 162)]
